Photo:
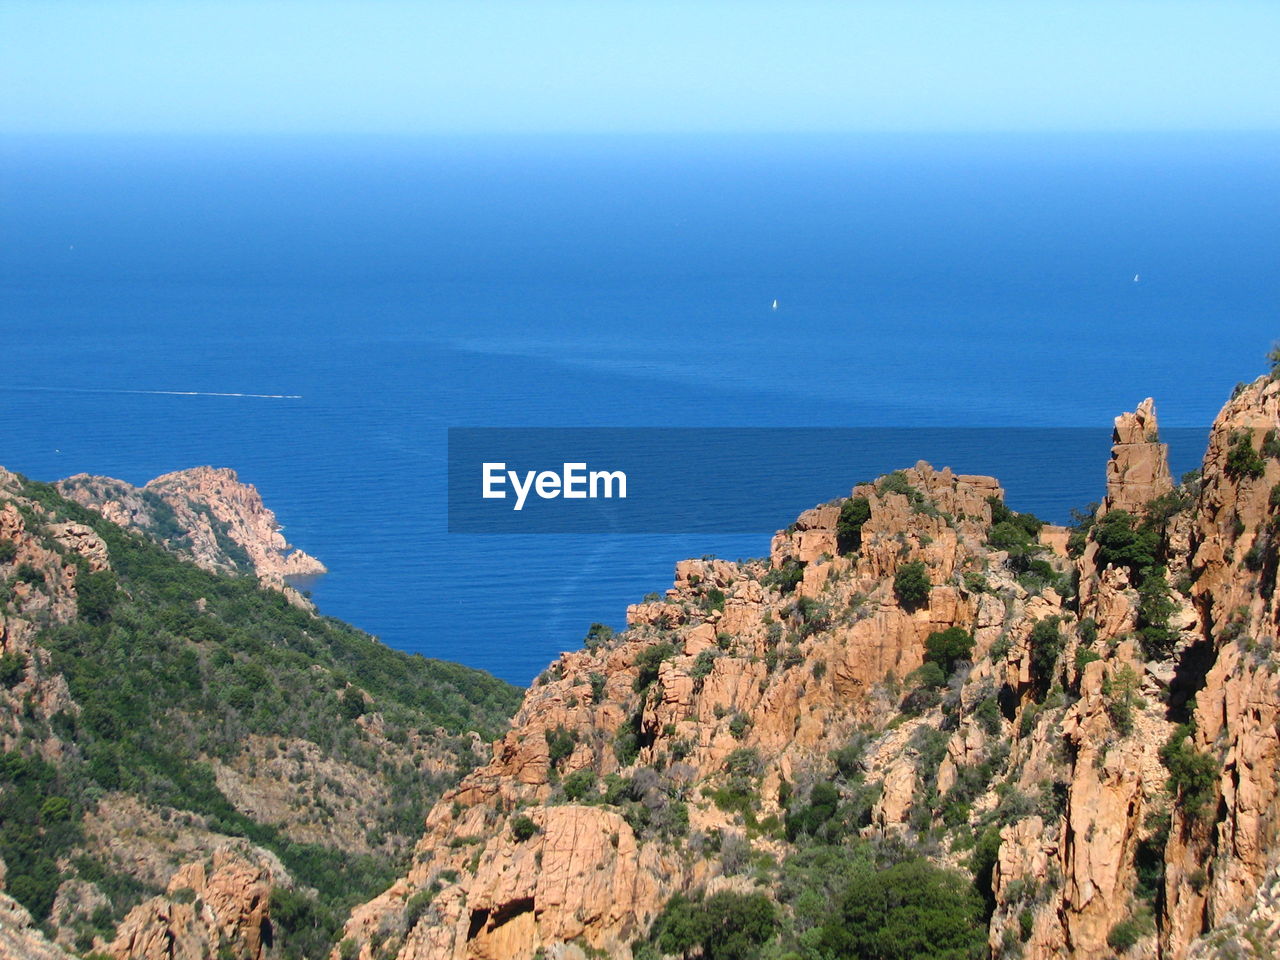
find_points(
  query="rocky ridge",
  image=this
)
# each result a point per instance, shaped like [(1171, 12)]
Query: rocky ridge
[(1103, 758), (205, 514)]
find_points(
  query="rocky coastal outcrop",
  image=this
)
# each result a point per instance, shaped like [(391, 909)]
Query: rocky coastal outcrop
[(1085, 722), (1104, 759), (204, 513)]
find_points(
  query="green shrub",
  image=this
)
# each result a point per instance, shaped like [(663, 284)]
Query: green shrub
[(987, 713), (626, 744), (522, 828), (947, 647), (26, 573), (1046, 642), (1120, 693), (560, 744), (579, 784), (1271, 445), (13, 667), (1193, 774), (1155, 608), (928, 674), (911, 584), (39, 827), (352, 702), (854, 512), (1082, 521), (829, 817), (924, 683), (1125, 935), (786, 577), (417, 906), (305, 926), (1084, 657), (1124, 541), (1149, 857), (95, 596), (909, 911), (848, 759), (1011, 537), (1088, 631), (598, 682), (702, 666), (8, 550), (648, 661), (1243, 462), (598, 634), (725, 926), (815, 616), (897, 482)]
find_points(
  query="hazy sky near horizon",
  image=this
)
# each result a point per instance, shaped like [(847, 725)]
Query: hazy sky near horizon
[(622, 66)]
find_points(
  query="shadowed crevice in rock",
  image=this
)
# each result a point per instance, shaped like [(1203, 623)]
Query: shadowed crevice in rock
[(1189, 678), (509, 911), (478, 920)]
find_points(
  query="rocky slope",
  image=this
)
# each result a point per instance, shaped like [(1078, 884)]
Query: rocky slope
[(204, 514), (191, 766), (1084, 722)]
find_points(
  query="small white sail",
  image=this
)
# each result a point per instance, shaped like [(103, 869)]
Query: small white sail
[(775, 304)]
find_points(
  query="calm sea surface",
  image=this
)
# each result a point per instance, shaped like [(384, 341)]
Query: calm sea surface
[(402, 287)]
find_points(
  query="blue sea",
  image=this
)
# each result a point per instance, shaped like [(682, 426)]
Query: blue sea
[(400, 287)]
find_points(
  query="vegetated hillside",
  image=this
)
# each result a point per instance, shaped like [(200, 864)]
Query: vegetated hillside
[(154, 714), (925, 727)]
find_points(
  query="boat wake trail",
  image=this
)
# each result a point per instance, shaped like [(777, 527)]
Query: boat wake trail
[(157, 393)]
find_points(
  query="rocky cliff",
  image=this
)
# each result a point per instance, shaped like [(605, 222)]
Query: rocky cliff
[(925, 725), (204, 514), (1083, 722)]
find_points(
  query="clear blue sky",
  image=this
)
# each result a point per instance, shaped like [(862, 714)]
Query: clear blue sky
[(450, 66)]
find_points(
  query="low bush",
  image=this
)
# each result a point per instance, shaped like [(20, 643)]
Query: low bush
[(1193, 774), (522, 828), (909, 911), (911, 584), (948, 647), (1243, 462), (725, 926), (854, 512)]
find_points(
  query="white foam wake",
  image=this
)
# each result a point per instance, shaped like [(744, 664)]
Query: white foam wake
[(161, 393)]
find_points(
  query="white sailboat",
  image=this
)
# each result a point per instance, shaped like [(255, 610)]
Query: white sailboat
[(775, 305)]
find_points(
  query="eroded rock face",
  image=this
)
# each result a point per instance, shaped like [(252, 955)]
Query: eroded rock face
[(757, 679), (205, 513), (1216, 863), (782, 662), (208, 910), (37, 691), (20, 938), (1138, 471)]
